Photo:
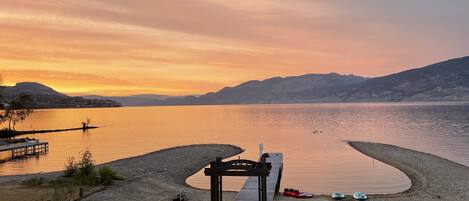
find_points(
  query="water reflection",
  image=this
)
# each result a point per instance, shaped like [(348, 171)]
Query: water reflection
[(315, 162)]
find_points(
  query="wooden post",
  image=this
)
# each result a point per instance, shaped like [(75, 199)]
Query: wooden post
[(264, 188), (259, 188), (279, 180), (215, 193), (220, 188)]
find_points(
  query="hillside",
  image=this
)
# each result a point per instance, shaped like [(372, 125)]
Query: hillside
[(444, 81), (46, 97), (295, 89)]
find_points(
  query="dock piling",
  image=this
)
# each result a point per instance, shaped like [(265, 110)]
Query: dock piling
[(21, 150)]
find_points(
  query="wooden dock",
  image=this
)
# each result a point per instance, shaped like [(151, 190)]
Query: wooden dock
[(250, 191), (21, 150)]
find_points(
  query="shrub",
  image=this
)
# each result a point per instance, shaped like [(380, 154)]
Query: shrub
[(33, 182), (71, 167), (87, 164), (107, 176), (86, 174), (88, 179)]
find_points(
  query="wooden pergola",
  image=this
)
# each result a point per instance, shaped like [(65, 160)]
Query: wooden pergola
[(238, 167)]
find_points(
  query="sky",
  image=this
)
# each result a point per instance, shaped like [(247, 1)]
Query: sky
[(180, 47)]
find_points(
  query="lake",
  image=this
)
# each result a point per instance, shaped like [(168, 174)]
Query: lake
[(311, 136)]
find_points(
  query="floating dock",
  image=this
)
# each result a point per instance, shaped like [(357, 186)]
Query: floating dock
[(23, 149), (250, 191)]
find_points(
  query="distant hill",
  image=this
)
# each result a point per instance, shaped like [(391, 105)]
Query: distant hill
[(31, 88), (295, 89), (444, 81), (46, 97), (134, 100)]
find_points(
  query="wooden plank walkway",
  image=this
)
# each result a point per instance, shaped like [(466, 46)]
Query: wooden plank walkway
[(19, 150), (250, 192)]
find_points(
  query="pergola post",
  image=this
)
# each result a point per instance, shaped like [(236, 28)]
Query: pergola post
[(218, 169), (220, 188), (259, 188), (214, 188), (264, 188)]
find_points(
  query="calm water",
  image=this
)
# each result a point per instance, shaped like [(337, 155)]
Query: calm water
[(319, 163)]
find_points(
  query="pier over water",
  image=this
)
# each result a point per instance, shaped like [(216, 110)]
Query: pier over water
[(24, 149), (262, 184), (249, 190)]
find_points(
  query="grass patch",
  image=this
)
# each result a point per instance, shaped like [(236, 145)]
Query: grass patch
[(84, 172), (79, 179), (33, 182), (107, 176)]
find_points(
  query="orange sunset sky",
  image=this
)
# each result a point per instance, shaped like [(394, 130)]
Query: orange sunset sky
[(176, 47)]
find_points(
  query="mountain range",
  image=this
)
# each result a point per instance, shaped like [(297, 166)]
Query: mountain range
[(46, 97), (443, 81)]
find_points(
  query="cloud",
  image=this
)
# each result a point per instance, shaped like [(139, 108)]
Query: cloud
[(82, 83), (225, 41)]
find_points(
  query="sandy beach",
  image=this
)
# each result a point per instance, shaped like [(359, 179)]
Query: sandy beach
[(161, 175), (158, 175), (433, 177)]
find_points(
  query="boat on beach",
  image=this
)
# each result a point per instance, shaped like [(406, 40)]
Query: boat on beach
[(359, 196), (337, 196)]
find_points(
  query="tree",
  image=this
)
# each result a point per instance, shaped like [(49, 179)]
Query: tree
[(1, 98), (18, 110)]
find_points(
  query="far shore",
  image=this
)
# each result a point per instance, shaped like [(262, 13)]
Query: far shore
[(13, 133), (162, 174)]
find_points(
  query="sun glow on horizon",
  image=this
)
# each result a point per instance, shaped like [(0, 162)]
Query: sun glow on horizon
[(111, 47)]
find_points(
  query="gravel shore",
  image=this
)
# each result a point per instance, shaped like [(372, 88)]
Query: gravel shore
[(155, 176), (433, 177), (161, 175)]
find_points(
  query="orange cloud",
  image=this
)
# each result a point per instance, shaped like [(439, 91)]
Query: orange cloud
[(197, 46), (81, 83)]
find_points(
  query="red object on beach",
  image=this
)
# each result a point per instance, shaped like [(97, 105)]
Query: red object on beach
[(288, 192), (296, 194), (301, 195)]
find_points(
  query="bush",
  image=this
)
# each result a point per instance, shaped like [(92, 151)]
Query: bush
[(87, 164), (84, 172), (87, 179), (107, 176), (33, 182), (71, 167)]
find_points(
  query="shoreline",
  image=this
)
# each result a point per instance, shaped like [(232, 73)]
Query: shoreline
[(158, 175), (8, 134), (433, 177), (153, 182), (162, 174)]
